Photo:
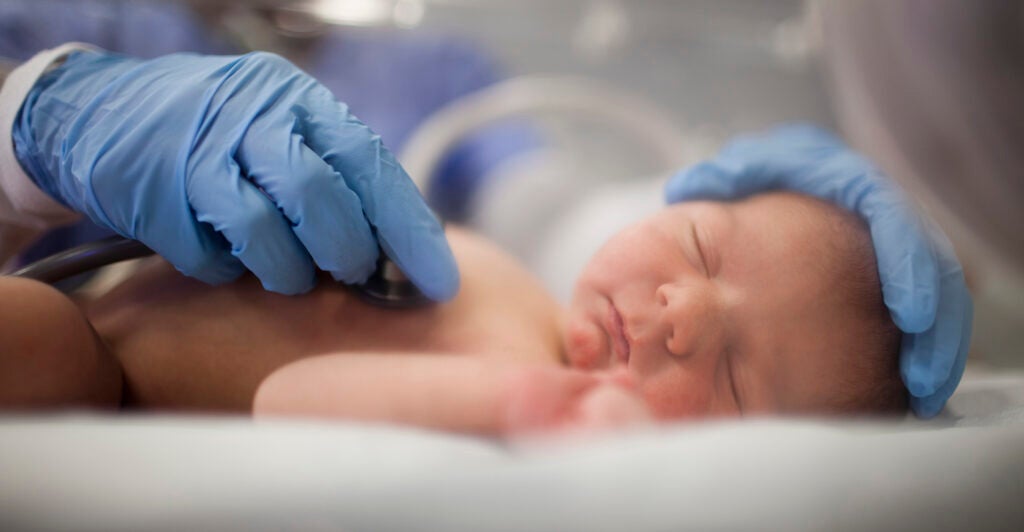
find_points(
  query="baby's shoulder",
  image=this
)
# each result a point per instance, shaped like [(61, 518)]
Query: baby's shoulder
[(496, 285), (484, 265)]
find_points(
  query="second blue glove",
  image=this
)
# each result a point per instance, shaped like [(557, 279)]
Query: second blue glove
[(922, 281)]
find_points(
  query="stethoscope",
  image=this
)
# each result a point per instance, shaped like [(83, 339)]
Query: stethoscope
[(387, 286)]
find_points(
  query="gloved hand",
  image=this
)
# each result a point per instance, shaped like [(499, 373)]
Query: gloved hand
[(222, 164), (922, 282)]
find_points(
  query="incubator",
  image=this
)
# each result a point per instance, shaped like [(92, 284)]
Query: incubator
[(671, 80)]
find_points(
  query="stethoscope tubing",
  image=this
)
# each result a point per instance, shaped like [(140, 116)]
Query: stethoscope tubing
[(387, 287), (83, 258)]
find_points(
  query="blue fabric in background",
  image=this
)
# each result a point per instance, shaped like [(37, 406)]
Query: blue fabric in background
[(391, 79)]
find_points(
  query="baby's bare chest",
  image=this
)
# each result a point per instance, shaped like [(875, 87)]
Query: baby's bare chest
[(185, 345)]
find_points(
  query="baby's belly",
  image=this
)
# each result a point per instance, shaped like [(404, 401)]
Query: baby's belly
[(188, 346)]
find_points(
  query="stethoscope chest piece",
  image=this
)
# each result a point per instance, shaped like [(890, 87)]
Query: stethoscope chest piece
[(388, 287)]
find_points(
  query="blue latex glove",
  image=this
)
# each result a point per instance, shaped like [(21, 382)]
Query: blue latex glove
[(222, 164), (922, 282)]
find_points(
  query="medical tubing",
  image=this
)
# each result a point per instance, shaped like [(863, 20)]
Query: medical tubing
[(83, 258), (432, 141)]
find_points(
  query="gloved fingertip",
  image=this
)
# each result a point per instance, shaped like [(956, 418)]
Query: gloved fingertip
[(706, 180), (929, 403), (444, 287), (356, 265), (217, 278), (293, 285), (354, 274), (927, 407), (917, 355), (918, 387), (911, 317), (675, 189), (434, 271), (932, 363)]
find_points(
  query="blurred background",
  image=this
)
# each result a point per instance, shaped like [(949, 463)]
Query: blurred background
[(546, 124), (730, 65)]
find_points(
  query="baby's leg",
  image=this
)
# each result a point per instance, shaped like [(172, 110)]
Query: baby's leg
[(50, 356)]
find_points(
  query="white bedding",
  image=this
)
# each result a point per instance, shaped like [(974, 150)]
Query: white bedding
[(963, 471)]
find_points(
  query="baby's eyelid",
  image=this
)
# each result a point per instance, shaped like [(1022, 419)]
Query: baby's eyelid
[(732, 382), (700, 250)]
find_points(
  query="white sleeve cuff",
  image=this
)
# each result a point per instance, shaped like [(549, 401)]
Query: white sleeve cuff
[(25, 210)]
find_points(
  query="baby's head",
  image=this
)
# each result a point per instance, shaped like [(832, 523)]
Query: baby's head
[(767, 305)]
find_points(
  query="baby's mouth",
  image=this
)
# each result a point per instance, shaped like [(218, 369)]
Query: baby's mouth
[(617, 331)]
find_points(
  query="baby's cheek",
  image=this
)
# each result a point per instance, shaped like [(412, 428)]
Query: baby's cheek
[(672, 396)]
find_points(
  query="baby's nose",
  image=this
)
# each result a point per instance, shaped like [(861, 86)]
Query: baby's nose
[(687, 317)]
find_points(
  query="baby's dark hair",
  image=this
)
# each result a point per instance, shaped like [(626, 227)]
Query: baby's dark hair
[(872, 384)]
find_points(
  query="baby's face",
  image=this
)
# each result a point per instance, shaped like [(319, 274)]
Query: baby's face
[(717, 308)]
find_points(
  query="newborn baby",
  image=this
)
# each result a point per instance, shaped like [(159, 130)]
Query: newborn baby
[(767, 305)]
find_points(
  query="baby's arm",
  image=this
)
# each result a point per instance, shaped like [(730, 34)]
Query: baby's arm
[(49, 354), (455, 393)]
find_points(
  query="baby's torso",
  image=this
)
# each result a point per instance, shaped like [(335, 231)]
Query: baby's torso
[(186, 345)]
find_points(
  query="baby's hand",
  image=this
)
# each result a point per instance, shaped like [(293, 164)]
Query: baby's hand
[(559, 401), (612, 403)]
